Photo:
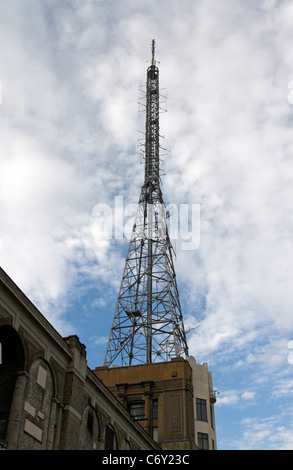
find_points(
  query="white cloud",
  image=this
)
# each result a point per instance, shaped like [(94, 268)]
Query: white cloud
[(100, 340), (283, 388), (228, 398), (248, 395), (233, 397), (267, 433)]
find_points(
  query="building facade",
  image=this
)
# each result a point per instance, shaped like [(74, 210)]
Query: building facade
[(159, 396), (173, 401), (49, 398), (204, 399)]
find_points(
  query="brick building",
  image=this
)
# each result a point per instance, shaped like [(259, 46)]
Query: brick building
[(49, 398), (159, 396), (173, 401)]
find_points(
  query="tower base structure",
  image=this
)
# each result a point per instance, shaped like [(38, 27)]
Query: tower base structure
[(173, 401)]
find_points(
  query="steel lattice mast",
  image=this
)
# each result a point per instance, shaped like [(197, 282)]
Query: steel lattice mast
[(148, 323)]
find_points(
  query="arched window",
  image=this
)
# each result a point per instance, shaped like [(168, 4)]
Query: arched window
[(37, 406), (110, 438), (89, 429), (12, 361)]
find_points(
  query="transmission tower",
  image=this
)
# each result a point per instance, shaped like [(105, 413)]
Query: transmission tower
[(148, 324)]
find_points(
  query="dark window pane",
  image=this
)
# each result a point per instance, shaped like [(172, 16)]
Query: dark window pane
[(201, 409), (90, 421), (203, 441), (109, 438), (136, 409), (155, 409)]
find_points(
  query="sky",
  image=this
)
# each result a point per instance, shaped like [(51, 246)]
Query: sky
[(71, 75)]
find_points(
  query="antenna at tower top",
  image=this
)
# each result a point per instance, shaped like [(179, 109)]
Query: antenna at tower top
[(153, 62)]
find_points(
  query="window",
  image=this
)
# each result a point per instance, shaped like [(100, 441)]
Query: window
[(212, 416), (90, 421), (155, 433), (201, 409), (203, 441), (155, 409), (136, 409), (109, 438)]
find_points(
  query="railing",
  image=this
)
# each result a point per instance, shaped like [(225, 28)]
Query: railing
[(213, 394)]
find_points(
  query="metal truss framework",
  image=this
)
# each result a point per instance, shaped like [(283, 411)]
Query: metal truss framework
[(148, 324)]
